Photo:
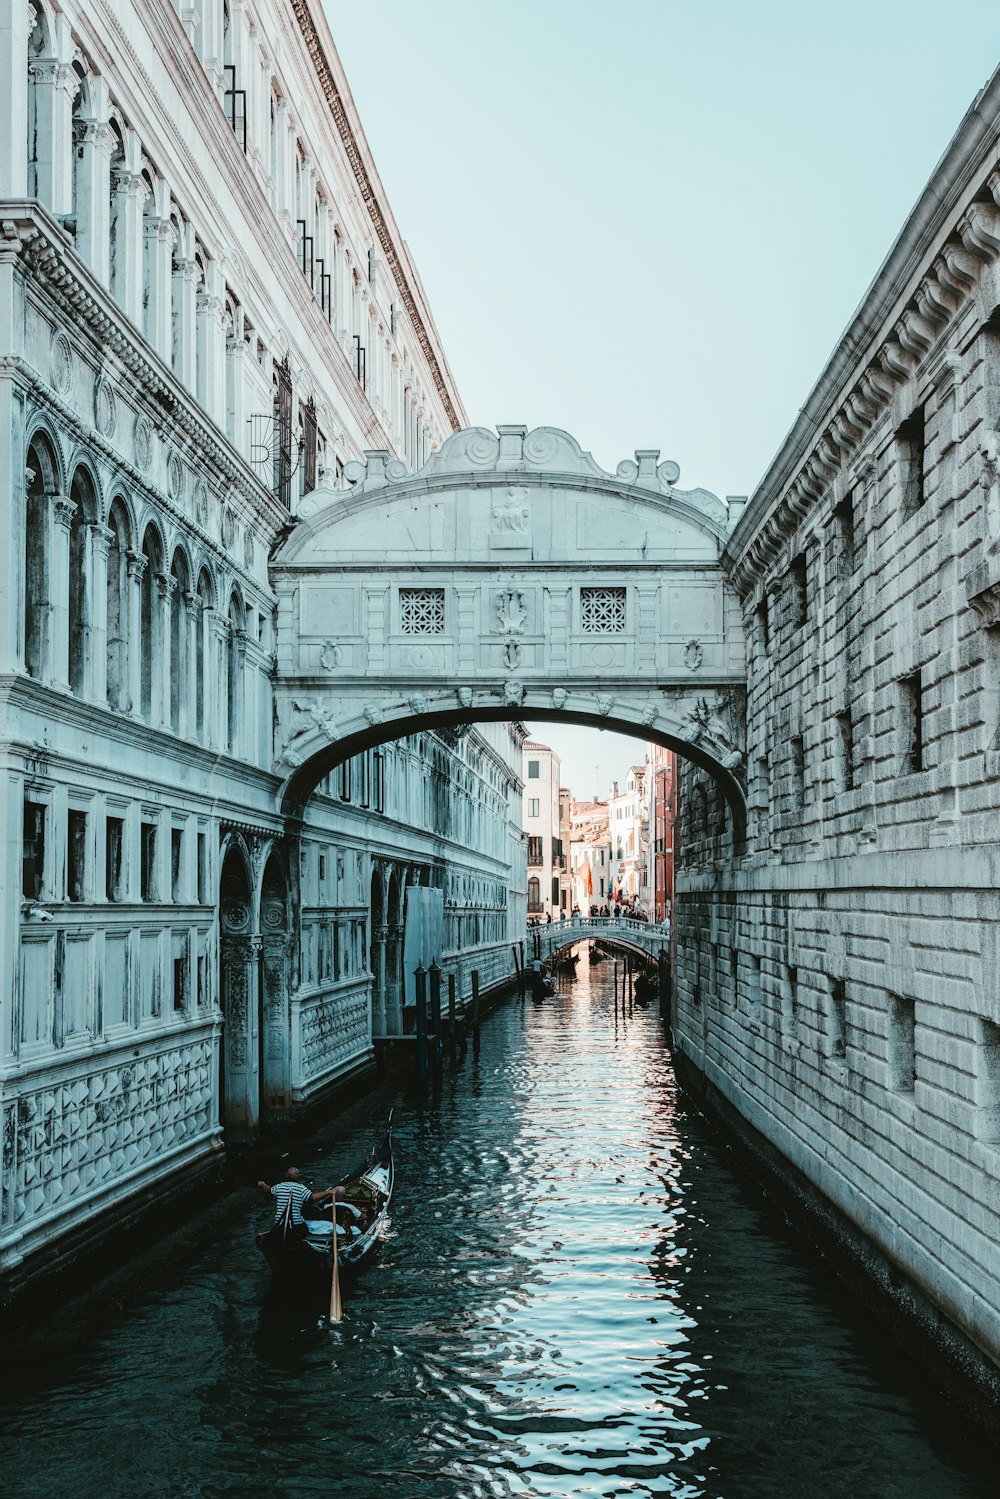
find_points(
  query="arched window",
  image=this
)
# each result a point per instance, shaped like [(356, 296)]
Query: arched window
[(149, 654), (84, 514), (178, 638), (534, 894), (233, 694), (118, 610), (41, 482)]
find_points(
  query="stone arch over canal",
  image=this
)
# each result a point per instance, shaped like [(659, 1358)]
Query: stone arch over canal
[(510, 577)]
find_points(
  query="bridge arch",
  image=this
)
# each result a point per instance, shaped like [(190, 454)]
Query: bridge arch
[(510, 577)]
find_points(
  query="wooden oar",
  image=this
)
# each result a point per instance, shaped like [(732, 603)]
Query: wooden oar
[(336, 1305)]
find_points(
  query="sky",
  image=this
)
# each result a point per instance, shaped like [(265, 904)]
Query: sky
[(649, 221)]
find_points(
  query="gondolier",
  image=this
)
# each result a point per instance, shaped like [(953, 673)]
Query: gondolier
[(289, 1196)]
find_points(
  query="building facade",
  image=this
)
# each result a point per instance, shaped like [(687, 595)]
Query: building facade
[(174, 961), (542, 823), (662, 775), (590, 855), (837, 979), (628, 827)]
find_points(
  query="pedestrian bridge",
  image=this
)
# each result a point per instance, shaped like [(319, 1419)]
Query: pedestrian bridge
[(646, 937)]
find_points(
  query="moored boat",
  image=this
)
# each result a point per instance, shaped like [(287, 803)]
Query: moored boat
[(362, 1210)]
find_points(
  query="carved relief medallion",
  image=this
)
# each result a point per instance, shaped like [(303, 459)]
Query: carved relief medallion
[(142, 436), (175, 477), (693, 655), (228, 527), (105, 413), (199, 503), (330, 655), (511, 611), (61, 363)]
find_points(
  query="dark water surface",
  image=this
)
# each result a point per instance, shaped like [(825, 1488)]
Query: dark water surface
[(579, 1295)]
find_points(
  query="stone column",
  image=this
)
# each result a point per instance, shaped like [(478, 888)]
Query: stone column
[(129, 276), (189, 696), (14, 102), (210, 316), (165, 589), (236, 391), (379, 983), (160, 237), (94, 144), (52, 85), (96, 678), (63, 510), (136, 564), (185, 279), (215, 676)]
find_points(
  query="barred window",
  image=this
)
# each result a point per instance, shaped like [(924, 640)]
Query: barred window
[(602, 610), (421, 611)]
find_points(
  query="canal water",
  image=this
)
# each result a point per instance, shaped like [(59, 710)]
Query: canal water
[(579, 1295)]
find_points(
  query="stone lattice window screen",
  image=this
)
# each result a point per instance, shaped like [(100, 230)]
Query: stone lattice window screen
[(602, 611), (421, 611)]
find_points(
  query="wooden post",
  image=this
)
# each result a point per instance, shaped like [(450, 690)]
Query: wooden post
[(451, 1013), (475, 1011), (420, 975), (336, 1305), (435, 1025)]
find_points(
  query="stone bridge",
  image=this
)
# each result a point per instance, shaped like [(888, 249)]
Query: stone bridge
[(645, 937), (510, 577)]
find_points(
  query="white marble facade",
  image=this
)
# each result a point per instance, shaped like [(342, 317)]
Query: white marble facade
[(206, 310)]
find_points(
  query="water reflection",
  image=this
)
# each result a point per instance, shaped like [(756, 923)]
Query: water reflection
[(578, 1296)]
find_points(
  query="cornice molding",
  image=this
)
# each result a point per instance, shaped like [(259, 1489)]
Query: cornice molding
[(373, 207)]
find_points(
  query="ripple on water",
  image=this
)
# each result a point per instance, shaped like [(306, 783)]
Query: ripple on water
[(576, 1297)]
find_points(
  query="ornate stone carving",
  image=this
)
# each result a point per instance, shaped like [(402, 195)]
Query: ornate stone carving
[(373, 713), (418, 703), (175, 478), (559, 696), (512, 654), (465, 697), (605, 703), (142, 437), (511, 513), (317, 716), (511, 611), (989, 480), (650, 714), (513, 693), (61, 363), (330, 655), (693, 655), (718, 721), (105, 411), (248, 549), (199, 502), (228, 527)]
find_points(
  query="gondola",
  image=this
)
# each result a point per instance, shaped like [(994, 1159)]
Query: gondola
[(368, 1188)]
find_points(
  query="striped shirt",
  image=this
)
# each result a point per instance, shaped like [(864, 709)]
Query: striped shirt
[(289, 1193)]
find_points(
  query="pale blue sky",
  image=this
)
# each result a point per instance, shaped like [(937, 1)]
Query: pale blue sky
[(648, 222)]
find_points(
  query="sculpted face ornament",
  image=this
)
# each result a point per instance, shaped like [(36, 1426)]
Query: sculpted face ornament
[(513, 694), (418, 703), (559, 696), (649, 715), (605, 703), (465, 697), (373, 713)]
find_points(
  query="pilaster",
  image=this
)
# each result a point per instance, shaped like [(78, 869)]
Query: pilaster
[(136, 564), (63, 510), (97, 668), (165, 589), (14, 104), (94, 144)]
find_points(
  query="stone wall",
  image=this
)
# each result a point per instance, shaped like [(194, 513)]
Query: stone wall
[(837, 979)]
